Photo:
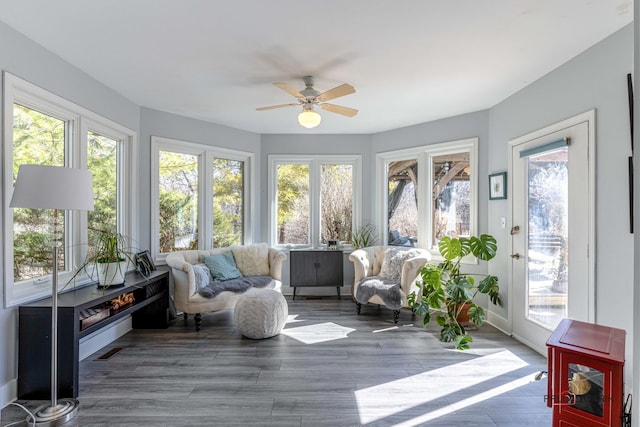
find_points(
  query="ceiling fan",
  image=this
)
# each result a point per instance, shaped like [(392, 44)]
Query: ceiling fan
[(309, 97)]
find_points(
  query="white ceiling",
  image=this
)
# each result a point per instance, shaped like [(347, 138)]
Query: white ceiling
[(411, 61)]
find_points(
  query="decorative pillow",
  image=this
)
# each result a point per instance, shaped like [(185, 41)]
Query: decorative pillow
[(252, 260), (222, 266), (201, 272), (393, 261)]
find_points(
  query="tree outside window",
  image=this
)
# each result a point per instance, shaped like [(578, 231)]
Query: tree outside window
[(228, 202), (102, 162), (178, 193), (38, 138), (314, 199), (293, 204), (336, 205)]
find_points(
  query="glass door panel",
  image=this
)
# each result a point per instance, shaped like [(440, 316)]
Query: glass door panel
[(547, 252)]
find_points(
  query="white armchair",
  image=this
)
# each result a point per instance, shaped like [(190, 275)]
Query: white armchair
[(389, 274)]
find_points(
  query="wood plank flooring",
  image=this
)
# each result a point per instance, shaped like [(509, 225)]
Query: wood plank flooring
[(329, 367)]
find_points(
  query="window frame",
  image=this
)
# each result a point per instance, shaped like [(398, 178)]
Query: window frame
[(78, 122), (424, 156), (315, 163), (205, 154)]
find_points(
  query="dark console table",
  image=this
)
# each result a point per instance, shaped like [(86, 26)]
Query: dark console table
[(80, 313), (314, 268)]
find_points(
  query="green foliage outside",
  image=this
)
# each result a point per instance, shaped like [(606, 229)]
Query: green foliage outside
[(102, 159), (228, 202), (293, 204), (38, 139), (293, 198), (179, 202)]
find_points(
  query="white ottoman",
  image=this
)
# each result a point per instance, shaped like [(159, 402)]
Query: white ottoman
[(260, 313)]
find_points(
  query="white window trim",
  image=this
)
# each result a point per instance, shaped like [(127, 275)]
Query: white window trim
[(424, 155), (80, 119), (314, 162), (206, 154)]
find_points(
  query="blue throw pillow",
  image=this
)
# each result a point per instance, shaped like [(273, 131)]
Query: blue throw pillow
[(222, 266)]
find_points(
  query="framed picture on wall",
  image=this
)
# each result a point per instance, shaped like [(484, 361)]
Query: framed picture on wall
[(498, 186)]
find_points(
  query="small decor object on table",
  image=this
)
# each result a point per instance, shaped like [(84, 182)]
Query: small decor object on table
[(122, 301), (144, 263), (332, 245), (498, 186)]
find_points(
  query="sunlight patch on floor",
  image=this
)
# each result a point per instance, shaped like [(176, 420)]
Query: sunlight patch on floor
[(475, 399), (320, 332), (293, 318), (383, 400)]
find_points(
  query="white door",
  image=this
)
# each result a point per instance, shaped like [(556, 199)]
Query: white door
[(552, 229)]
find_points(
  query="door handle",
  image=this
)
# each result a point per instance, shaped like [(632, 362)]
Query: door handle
[(515, 256)]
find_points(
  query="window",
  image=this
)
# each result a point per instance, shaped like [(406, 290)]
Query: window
[(200, 198), (178, 200), (48, 130), (336, 202), (314, 199), (439, 179), (38, 138), (402, 202), (451, 178), (293, 214), (228, 202), (102, 162)]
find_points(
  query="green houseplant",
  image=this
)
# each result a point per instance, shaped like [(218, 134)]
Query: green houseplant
[(445, 288), (110, 257), (364, 236)]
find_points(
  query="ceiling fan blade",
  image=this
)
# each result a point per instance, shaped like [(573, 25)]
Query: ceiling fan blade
[(336, 92), (273, 107), (345, 111), (285, 87)]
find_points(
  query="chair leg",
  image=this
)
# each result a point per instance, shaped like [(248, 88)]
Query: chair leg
[(358, 307), (198, 319), (184, 316), (396, 316)]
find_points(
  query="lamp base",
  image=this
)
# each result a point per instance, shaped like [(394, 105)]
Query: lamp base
[(50, 416)]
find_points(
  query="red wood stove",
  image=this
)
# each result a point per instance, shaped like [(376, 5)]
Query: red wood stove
[(585, 380)]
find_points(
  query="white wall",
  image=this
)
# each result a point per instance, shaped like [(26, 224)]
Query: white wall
[(596, 80)]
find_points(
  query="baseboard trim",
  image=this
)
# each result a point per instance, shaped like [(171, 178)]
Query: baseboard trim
[(499, 322), (103, 337), (8, 392), (542, 351)]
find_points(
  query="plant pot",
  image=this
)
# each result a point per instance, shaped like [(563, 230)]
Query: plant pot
[(463, 316), (111, 274)]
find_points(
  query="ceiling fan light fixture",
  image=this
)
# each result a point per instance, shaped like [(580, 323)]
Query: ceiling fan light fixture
[(309, 118)]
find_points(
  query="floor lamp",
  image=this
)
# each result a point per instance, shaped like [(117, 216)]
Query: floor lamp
[(60, 189)]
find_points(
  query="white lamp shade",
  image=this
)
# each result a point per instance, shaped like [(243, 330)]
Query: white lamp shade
[(52, 187), (309, 119)]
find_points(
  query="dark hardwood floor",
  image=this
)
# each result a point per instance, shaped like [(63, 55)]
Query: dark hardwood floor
[(329, 367)]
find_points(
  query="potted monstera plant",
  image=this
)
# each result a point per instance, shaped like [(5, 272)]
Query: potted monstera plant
[(451, 292)]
